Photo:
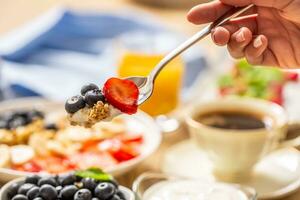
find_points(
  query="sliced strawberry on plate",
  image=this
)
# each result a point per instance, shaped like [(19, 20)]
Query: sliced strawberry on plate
[(120, 151), (91, 159), (122, 94), (127, 138), (30, 166), (292, 76)]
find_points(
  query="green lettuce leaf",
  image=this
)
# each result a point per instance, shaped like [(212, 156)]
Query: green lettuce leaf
[(94, 173)]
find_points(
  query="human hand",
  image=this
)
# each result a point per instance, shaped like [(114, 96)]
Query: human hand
[(268, 34)]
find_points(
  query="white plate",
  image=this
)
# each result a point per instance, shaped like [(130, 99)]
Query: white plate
[(276, 176), (139, 122)]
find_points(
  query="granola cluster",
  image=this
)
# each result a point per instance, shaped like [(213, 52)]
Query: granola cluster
[(88, 116)]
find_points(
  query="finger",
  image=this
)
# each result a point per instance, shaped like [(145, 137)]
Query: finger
[(207, 12), (264, 3), (254, 52), (238, 41), (247, 21), (220, 36)]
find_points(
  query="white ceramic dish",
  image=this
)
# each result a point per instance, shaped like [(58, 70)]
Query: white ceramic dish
[(3, 192), (153, 181), (140, 121), (274, 177)]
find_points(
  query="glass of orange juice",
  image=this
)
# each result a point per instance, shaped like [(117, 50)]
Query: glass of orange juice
[(166, 95)]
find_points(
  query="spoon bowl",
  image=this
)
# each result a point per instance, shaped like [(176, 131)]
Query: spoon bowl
[(145, 87)]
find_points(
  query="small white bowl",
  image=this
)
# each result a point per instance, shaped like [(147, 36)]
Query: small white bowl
[(146, 180), (3, 192)]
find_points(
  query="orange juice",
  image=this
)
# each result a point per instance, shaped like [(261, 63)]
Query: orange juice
[(166, 93)]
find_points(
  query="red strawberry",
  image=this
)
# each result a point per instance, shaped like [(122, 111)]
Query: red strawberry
[(122, 94), (292, 76), (278, 99), (30, 166)]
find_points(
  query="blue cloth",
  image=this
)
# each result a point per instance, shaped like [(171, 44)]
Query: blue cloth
[(61, 50)]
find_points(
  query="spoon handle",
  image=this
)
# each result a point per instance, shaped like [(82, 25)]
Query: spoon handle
[(235, 12)]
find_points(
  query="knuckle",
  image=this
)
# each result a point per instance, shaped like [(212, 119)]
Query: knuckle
[(235, 53), (253, 60)]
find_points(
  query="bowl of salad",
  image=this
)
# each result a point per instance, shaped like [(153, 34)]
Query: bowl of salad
[(36, 138), (246, 80)]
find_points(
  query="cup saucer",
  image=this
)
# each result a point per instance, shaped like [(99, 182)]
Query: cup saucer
[(276, 176)]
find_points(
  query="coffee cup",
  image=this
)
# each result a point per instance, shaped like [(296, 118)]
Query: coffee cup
[(234, 149)]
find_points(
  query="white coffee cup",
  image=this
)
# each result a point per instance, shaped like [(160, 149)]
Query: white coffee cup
[(234, 152)]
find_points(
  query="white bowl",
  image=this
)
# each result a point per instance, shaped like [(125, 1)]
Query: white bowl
[(140, 121), (3, 192)]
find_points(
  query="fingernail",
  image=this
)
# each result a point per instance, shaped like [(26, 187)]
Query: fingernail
[(240, 37), (213, 35), (257, 42)]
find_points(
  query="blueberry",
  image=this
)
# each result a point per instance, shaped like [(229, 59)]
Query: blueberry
[(58, 188), (20, 197), (48, 192), (87, 88), (121, 195), (20, 113), (51, 126), (67, 179), (114, 182), (35, 114), (33, 179), (89, 183), (17, 122), (47, 180), (33, 193), (3, 124), (105, 190), (74, 104), (78, 178), (68, 192), (115, 197), (12, 190), (23, 189), (93, 96), (83, 194)]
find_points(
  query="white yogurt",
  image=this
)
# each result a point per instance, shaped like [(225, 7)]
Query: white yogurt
[(81, 117), (192, 190), (114, 112)]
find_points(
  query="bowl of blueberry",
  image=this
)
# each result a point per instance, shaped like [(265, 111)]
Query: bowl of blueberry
[(90, 184)]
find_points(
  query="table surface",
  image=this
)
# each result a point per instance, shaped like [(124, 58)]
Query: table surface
[(18, 12)]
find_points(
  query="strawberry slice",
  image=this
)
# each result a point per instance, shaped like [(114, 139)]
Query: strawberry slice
[(122, 94), (292, 76)]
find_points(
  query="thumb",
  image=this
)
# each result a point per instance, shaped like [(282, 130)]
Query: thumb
[(264, 3)]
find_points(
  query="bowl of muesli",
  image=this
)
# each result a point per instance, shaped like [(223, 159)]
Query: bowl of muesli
[(37, 137)]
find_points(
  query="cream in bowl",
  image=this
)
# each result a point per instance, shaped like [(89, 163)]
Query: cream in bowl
[(162, 187)]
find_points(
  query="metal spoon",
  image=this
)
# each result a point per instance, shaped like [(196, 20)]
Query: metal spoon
[(146, 84)]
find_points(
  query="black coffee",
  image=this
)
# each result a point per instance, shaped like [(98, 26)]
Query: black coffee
[(232, 120)]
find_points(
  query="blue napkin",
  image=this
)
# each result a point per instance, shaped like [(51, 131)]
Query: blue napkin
[(55, 54)]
